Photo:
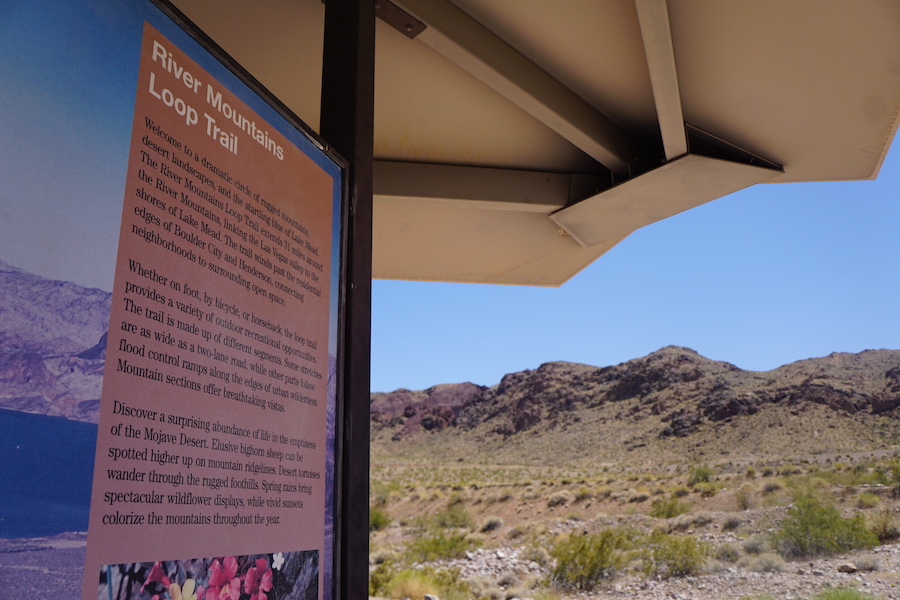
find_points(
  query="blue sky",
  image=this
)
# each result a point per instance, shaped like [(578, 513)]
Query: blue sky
[(769, 275), (760, 278)]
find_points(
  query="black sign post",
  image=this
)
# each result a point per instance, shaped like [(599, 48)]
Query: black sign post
[(348, 97)]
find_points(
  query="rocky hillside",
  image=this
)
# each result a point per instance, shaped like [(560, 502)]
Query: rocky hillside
[(52, 345), (672, 403)]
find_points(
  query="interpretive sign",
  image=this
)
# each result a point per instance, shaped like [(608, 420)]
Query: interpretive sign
[(213, 453)]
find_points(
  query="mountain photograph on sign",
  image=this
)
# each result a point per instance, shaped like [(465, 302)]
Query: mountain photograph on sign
[(670, 475), (52, 349)]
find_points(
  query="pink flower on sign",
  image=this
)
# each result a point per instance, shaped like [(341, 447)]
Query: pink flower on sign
[(157, 575), (223, 581), (258, 580)]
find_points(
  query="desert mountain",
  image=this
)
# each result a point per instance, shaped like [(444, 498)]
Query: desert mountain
[(52, 345), (671, 405)]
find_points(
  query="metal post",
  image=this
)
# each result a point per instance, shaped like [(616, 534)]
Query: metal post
[(348, 97)]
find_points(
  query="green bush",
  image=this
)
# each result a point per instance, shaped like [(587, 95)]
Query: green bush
[(814, 528), (884, 525), (666, 508), (378, 519), (868, 500), (675, 555), (584, 561), (706, 489), (700, 474), (439, 545), (454, 516)]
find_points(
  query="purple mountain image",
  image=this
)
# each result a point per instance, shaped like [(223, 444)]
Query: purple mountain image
[(52, 345)]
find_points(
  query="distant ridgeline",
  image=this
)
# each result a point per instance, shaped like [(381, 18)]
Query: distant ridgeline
[(672, 400)]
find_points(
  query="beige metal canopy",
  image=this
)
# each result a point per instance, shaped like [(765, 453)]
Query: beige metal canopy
[(516, 141)]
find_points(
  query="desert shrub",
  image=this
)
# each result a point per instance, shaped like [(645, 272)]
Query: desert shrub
[(706, 490), (842, 594), (680, 491), (868, 500), (788, 470), (378, 519), (440, 545), (516, 532), (638, 496), (415, 583), (771, 487), (681, 522), (584, 561), (767, 562), (483, 588), (686, 521), (884, 525), (892, 470), (728, 552), (666, 508), (755, 545), (491, 523), (455, 499), (454, 516), (814, 528), (743, 497), (867, 562), (700, 474), (558, 498), (768, 471), (536, 554), (750, 472), (583, 494), (379, 577), (731, 523), (675, 555)]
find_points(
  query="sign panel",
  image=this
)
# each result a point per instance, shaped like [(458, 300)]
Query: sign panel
[(210, 368)]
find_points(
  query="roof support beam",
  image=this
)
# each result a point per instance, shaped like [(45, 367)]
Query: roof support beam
[(482, 188), (653, 16), (473, 47)]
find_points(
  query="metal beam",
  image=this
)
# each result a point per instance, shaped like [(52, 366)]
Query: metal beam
[(348, 100), (473, 47), (481, 187), (678, 185), (653, 16)]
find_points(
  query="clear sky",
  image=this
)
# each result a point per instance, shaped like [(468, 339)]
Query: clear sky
[(760, 278), (763, 277)]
